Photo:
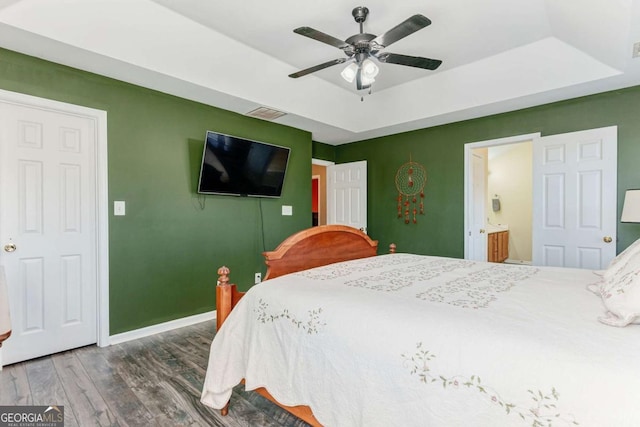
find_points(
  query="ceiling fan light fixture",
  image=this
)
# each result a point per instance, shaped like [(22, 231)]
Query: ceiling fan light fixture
[(367, 81), (350, 71), (369, 69)]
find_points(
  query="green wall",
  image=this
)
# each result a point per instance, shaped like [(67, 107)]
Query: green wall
[(322, 151), (441, 150), (165, 252)]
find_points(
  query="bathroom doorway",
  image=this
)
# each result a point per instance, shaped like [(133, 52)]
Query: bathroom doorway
[(509, 202), (499, 200), (573, 202)]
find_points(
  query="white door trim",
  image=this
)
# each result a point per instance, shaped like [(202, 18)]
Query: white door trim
[(99, 117), (468, 148)]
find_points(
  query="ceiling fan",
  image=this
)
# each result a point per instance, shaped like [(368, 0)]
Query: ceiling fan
[(360, 48)]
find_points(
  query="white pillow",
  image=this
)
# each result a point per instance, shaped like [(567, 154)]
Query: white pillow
[(595, 288), (612, 273), (620, 261), (623, 303), (621, 293)]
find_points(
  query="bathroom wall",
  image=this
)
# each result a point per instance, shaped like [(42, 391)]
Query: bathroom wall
[(509, 176)]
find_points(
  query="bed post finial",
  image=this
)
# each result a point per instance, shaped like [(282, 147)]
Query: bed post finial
[(223, 275), (392, 248), (227, 296), (224, 296)]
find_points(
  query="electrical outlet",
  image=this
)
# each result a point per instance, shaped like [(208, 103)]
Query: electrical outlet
[(258, 278), (636, 50)]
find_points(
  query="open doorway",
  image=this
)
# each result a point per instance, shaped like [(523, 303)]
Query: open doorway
[(509, 202), (342, 193), (499, 198), (319, 192), (573, 208), (315, 200)]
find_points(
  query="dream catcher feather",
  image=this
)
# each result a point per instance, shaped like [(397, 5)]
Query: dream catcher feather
[(410, 181)]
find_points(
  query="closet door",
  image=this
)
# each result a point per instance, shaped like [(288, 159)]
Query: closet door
[(48, 229)]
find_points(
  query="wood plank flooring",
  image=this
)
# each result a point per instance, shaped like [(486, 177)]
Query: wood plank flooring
[(151, 381)]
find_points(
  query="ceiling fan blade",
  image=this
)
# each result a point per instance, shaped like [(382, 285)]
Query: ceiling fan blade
[(411, 61), (321, 37), (402, 30), (317, 68)]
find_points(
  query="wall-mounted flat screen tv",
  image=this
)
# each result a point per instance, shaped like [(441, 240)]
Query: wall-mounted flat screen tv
[(242, 167)]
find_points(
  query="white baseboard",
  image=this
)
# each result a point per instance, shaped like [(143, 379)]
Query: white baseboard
[(516, 261), (162, 327)]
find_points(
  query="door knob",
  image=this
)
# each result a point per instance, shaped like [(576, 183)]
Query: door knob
[(11, 247), (481, 230), (607, 239)]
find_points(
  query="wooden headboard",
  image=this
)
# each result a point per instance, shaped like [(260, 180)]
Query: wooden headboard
[(318, 246), (313, 247)]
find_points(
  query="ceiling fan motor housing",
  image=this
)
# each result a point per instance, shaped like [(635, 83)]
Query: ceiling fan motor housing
[(361, 42), (360, 14)]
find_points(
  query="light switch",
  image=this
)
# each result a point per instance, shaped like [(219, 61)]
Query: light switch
[(287, 210), (118, 208)]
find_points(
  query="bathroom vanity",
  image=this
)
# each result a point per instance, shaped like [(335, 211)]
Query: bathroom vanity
[(497, 243)]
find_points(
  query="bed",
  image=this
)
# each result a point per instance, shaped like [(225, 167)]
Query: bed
[(341, 336)]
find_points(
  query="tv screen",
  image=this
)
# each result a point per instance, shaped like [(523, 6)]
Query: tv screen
[(241, 167)]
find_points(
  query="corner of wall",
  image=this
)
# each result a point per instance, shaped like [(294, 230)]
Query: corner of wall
[(322, 151)]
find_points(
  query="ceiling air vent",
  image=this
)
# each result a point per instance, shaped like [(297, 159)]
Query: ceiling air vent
[(265, 113)]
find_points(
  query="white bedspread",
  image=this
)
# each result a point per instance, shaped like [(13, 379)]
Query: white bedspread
[(408, 340)]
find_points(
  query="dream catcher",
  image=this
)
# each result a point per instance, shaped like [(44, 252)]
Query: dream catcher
[(410, 181)]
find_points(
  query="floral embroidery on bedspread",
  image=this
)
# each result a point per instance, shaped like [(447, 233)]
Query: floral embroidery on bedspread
[(311, 326), (542, 410), (396, 279), (333, 271), (479, 288)]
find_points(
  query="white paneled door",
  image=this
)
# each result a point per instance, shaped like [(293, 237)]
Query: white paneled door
[(575, 188), (48, 229), (477, 232), (347, 194)]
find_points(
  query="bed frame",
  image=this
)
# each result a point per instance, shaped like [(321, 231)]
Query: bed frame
[(313, 247)]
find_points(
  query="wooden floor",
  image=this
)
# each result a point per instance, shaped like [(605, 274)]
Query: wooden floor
[(151, 381)]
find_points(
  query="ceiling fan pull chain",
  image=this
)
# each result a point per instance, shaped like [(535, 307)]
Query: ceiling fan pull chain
[(362, 97)]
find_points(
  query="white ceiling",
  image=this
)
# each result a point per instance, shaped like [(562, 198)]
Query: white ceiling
[(498, 55)]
